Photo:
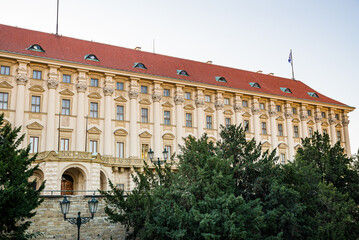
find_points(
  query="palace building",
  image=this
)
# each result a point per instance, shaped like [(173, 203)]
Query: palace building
[(92, 111)]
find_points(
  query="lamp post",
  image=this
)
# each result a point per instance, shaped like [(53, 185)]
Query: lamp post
[(65, 207), (165, 156)]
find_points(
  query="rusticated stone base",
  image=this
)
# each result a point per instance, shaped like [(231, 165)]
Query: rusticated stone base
[(49, 221)]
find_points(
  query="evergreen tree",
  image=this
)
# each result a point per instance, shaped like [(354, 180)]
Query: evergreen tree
[(18, 198)]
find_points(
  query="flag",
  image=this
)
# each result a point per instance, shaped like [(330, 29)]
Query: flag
[(290, 57)]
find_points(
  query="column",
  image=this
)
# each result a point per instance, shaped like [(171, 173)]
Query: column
[(256, 122), (318, 120), (303, 119), (273, 124), (21, 80), (346, 134), (219, 112), (332, 122), (237, 107), (52, 84), (289, 115), (108, 136), (200, 113), (157, 113), (80, 120), (133, 94), (178, 99)]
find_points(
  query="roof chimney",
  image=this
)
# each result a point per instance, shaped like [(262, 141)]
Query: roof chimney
[(259, 71), (270, 74), (138, 48), (209, 62)]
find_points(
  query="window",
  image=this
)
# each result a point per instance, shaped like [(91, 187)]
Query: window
[(120, 150), (228, 122), (64, 145), (323, 115), (221, 79), (66, 78), (94, 110), (94, 82), (264, 128), (339, 136), (34, 144), (120, 113), (182, 72), (166, 92), (36, 47), (5, 70), (188, 120), (144, 115), (207, 98), (325, 131), (285, 90), (93, 146), (187, 95), (282, 158), (294, 110), (35, 104), (144, 89), (169, 150), (65, 109), (246, 126), (91, 57), (280, 130), (226, 101), (296, 132), (278, 108), (119, 86), (209, 122), (36, 74), (4, 100), (245, 103), (167, 118), (310, 130), (144, 151), (254, 84), (337, 116), (309, 112), (139, 65), (313, 94), (261, 106)]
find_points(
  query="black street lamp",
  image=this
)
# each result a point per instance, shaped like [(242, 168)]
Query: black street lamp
[(165, 156), (65, 207)]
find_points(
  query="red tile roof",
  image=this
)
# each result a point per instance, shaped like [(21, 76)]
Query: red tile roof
[(16, 40)]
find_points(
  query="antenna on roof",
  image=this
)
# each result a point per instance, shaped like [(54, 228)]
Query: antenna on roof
[(57, 18), (153, 44)]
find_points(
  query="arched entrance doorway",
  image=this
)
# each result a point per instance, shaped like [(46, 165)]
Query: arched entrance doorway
[(103, 181), (73, 182)]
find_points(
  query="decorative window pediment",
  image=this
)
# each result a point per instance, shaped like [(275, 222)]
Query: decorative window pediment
[(209, 110), (5, 84), (35, 125), (145, 102), (246, 114), (145, 134), (168, 136), (167, 105), (94, 130), (94, 95), (189, 107), (228, 112), (66, 92), (120, 132), (37, 88), (120, 99)]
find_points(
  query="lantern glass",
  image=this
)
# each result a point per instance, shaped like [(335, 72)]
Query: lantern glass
[(150, 154), (93, 203), (65, 205)]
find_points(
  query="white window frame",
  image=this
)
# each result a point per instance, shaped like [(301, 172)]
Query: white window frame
[(120, 149), (4, 100), (93, 146), (34, 144), (64, 144)]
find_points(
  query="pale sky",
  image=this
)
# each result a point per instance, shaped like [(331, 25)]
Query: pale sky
[(251, 35)]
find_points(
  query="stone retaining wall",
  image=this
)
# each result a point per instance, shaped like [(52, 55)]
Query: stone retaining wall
[(50, 221)]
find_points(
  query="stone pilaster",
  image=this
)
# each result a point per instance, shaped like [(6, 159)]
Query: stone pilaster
[(21, 80), (52, 83), (289, 115), (237, 107), (219, 105), (157, 113), (303, 120), (133, 94), (81, 87), (256, 122), (200, 113), (345, 122), (108, 136), (179, 100), (273, 123), (318, 120), (332, 122)]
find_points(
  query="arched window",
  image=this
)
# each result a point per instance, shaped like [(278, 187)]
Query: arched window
[(139, 65), (182, 72), (35, 47), (91, 57)]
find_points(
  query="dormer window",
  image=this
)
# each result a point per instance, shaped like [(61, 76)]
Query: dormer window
[(36, 47), (313, 94), (221, 79), (285, 90), (139, 65), (254, 84), (182, 72), (91, 57)]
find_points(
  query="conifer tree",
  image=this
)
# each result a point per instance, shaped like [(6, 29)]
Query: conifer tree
[(18, 198)]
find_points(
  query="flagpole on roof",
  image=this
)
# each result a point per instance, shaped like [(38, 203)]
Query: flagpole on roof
[(57, 19), (290, 60)]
